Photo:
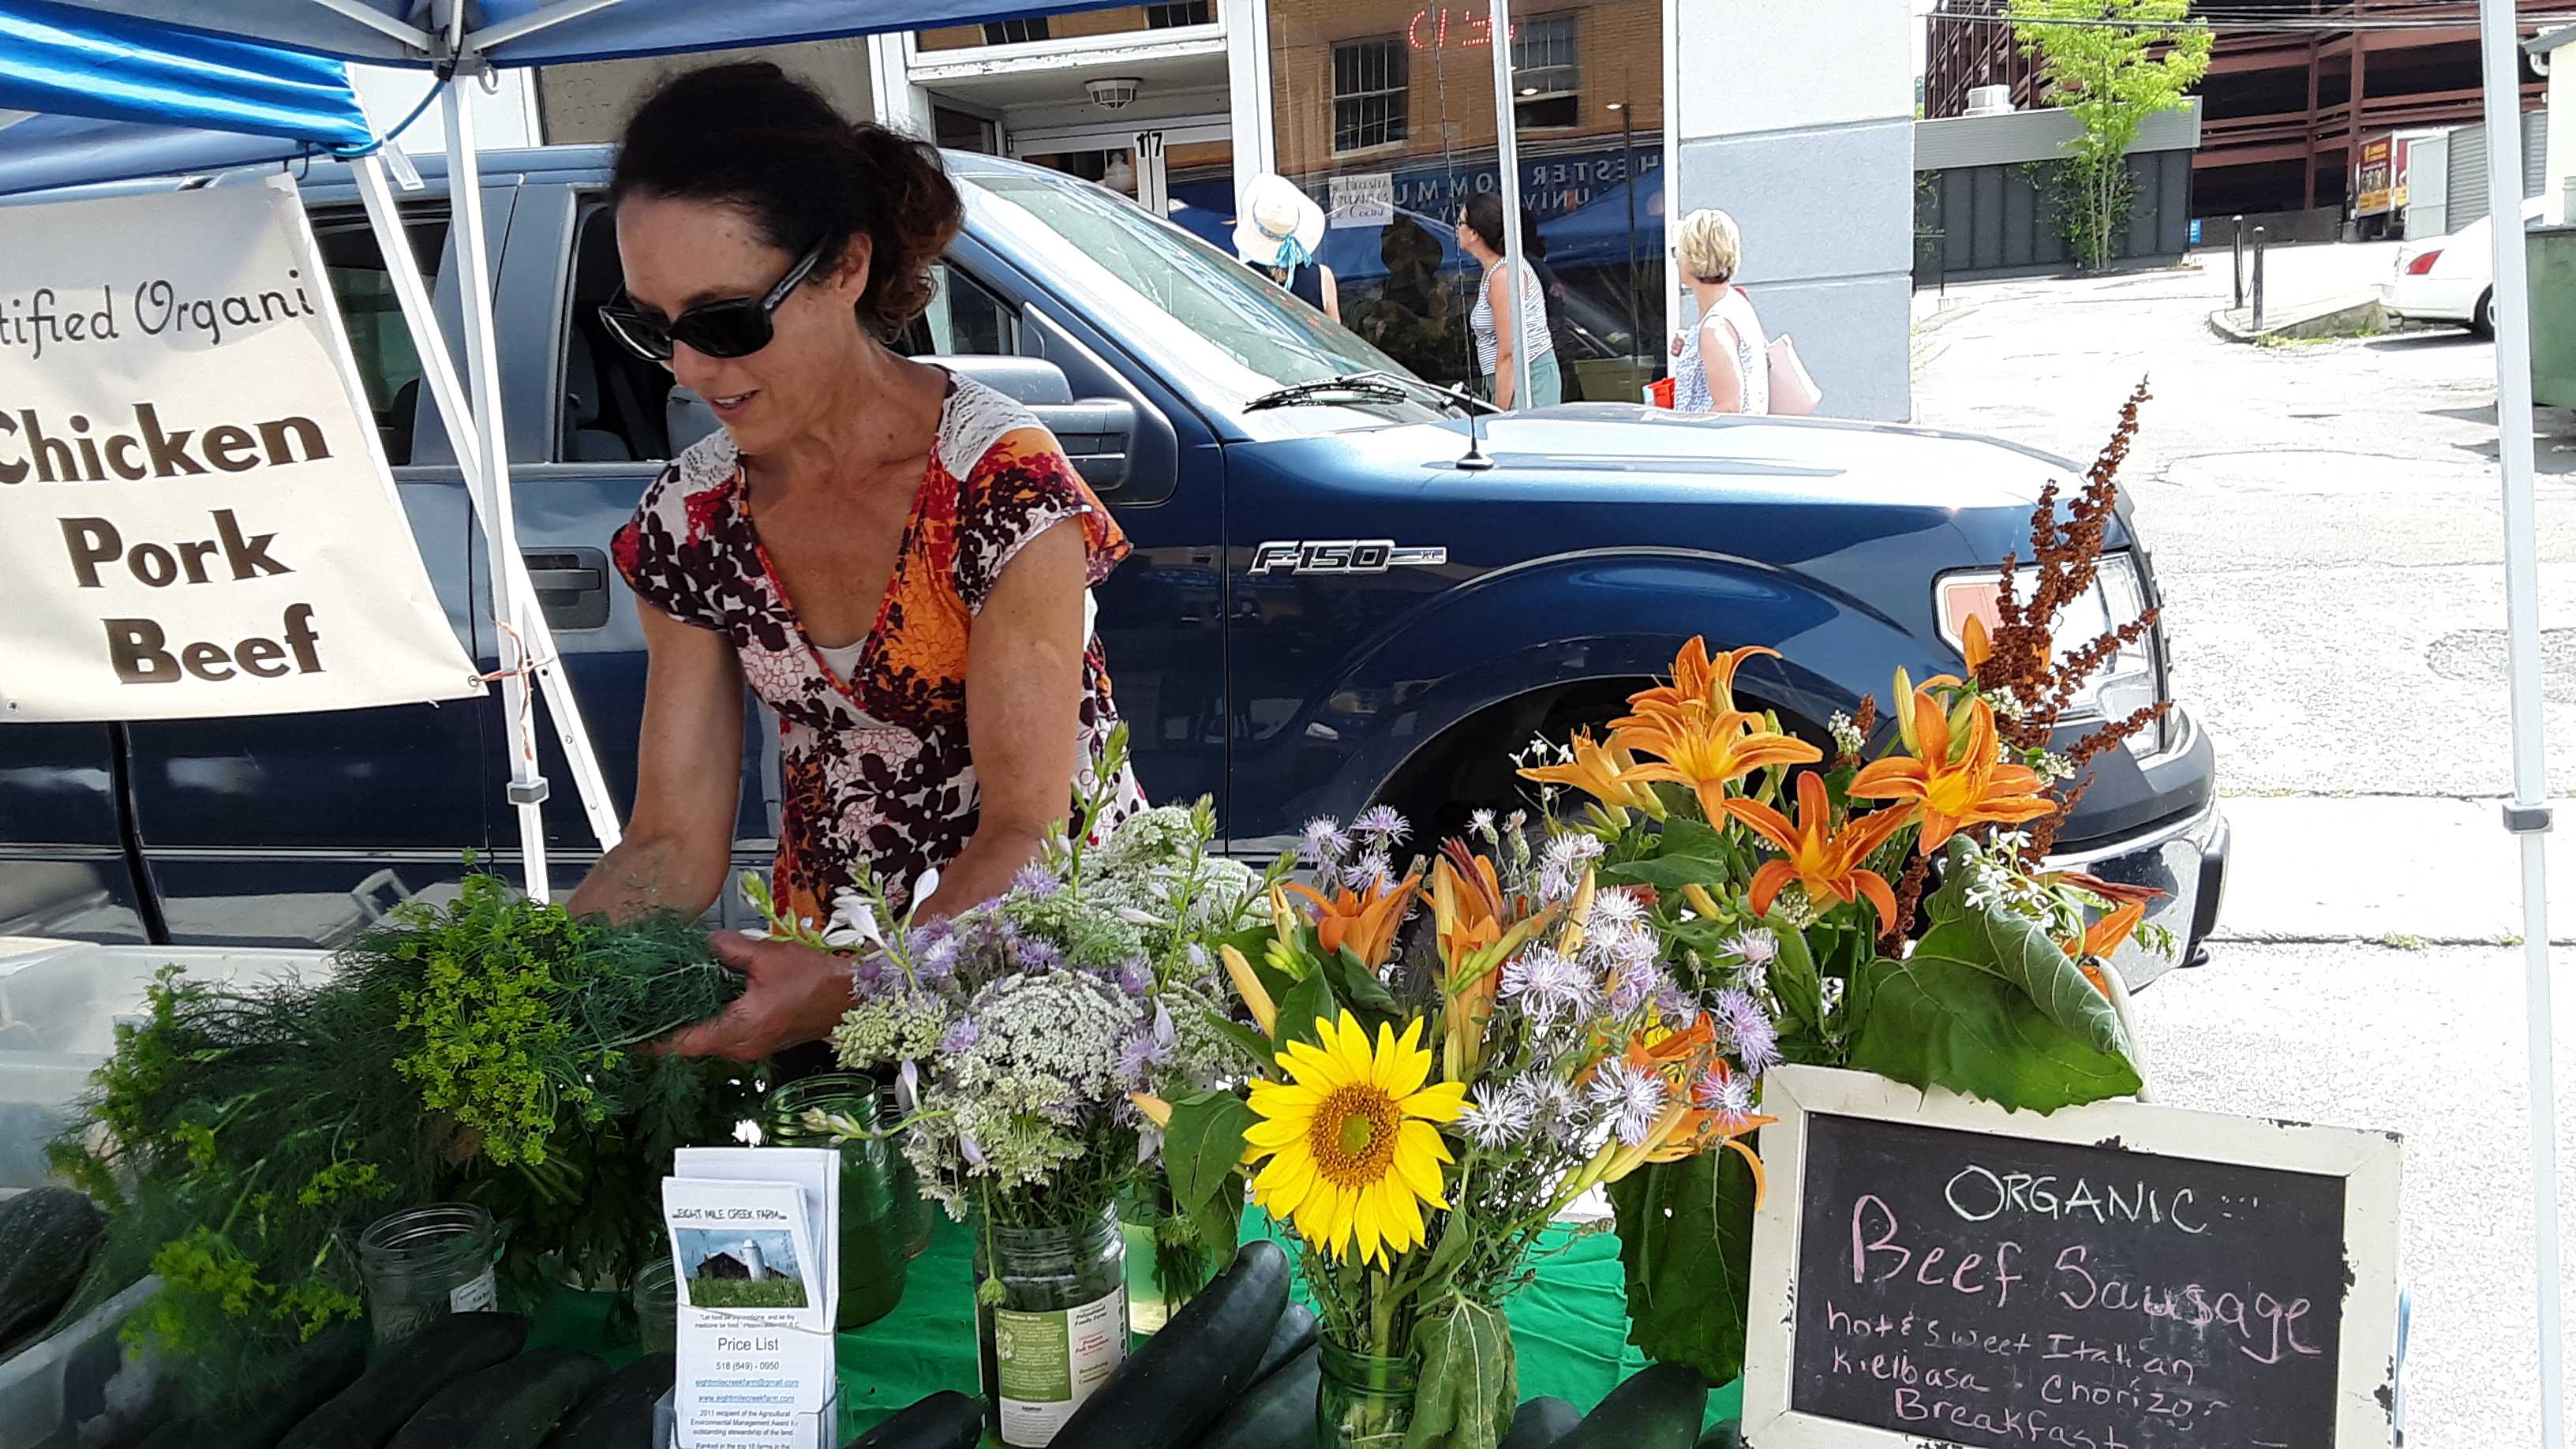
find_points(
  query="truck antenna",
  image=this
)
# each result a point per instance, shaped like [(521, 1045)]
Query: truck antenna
[(1477, 460)]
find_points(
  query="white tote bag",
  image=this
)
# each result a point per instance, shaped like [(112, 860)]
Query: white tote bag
[(1794, 393)]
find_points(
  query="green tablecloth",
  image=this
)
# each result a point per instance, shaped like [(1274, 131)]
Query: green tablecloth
[(1569, 1330)]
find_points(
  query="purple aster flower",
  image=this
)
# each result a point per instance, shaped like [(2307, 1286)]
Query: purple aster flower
[(1675, 1006), (959, 1037), (1747, 1028), (1632, 1099), (1561, 865), (1037, 954), (1383, 825), (1369, 872), (1546, 984), (1324, 841), (1496, 1116), (1551, 1105), (1615, 910), (1137, 1052), (1727, 1097), (937, 962), (1755, 945), (1638, 982), (867, 971), (1035, 881), (1135, 977)]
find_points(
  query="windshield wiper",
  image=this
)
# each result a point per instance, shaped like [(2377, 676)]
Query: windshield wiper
[(1379, 387)]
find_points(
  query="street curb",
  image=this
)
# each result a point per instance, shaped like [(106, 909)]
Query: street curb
[(1935, 320), (2352, 314)]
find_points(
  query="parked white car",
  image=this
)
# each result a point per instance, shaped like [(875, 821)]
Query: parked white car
[(2452, 278)]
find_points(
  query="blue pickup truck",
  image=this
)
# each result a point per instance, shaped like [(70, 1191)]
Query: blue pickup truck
[(1339, 595)]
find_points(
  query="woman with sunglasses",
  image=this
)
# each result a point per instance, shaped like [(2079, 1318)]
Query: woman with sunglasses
[(895, 558)]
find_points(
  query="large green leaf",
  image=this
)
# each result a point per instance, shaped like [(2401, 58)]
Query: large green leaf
[(1937, 1022), (2010, 946), (1468, 1384), (1686, 1240), (1669, 873), (1218, 1222), (1203, 1144), (1305, 1003), (1251, 1043), (1355, 985)]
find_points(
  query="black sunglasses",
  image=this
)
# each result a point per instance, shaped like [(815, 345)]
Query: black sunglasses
[(734, 327)]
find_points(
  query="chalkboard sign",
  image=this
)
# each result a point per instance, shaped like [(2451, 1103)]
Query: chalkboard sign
[(1931, 1268)]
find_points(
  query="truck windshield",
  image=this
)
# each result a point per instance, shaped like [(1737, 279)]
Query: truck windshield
[(1200, 306)]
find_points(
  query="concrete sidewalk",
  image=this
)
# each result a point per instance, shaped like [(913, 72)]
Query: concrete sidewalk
[(2390, 870)]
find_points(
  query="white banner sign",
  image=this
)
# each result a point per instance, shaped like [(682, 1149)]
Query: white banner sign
[(1365, 199), (195, 514)]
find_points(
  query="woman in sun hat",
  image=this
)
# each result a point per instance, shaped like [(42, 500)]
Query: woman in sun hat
[(1277, 235)]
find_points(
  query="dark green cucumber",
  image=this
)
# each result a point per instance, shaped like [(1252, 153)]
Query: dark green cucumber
[(1659, 1407), (1540, 1422), (368, 1413), (1169, 1391), (618, 1414), (321, 1368), (1729, 1434), (1279, 1413), (512, 1405), (945, 1420), (1294, 1335), (46, 1237)]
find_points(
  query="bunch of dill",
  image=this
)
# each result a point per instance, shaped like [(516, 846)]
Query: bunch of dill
[(485, 1051)]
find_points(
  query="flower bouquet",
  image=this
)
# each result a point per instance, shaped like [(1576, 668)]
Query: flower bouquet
[(1017, 1031), (1566, 1055)]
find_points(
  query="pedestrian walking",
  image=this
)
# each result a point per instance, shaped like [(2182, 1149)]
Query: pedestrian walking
[(1723, 362), (1277, 235), (1480, 235)]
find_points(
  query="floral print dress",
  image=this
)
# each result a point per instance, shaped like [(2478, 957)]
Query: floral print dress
[(875, 768)]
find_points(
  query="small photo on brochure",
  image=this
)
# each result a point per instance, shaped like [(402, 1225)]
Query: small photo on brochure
[(738, 1268)]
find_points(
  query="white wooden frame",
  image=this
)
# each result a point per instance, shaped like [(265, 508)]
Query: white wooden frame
[(2368, 1162)]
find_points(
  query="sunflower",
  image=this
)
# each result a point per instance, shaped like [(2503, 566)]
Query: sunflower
[(1349, 1137)]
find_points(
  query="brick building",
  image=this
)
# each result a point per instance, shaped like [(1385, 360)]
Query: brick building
[(2284, 110)]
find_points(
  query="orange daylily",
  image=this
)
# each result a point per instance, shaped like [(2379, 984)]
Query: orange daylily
[(2102, 938), (1957, 779), (1975, 645), (1600, 771), (1363, 920), (1827, 863), (1705, 749), (1698, 678), (1467, 910)]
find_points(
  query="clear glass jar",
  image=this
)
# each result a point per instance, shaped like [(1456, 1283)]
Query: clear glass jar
[(1161, 1275), (424, 1263), (917, 1211), (1365, 1400), (1060, 1328), (872, 1246), (657, 1306)]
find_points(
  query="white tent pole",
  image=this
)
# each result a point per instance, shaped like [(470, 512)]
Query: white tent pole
[(376, 20), (481, 41), (438, 371), (2528, 815), (527, 788), (1507, 161)]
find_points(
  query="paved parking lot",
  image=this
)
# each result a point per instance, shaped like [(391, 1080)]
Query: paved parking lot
[(2325, 525)]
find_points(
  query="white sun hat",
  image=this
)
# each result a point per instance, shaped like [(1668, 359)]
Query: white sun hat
[(1280, 225)]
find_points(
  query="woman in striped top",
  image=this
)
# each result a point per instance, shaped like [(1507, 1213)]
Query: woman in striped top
[(1480, 235)]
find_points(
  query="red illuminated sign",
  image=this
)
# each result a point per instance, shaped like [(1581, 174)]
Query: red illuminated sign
[(1433, 29)]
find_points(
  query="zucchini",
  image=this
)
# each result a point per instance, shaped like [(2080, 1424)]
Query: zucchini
[(1170, 1390), (46, 1238), (371, 1411), (1729, 1434), (945, 1420), (1659, 1407), (1279, 1413), (1294, 1335), (510, 1405), (618, 1414), (323, 1367), (1540, 1423)]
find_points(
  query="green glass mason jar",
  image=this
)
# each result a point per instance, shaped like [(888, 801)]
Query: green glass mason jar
[(1060, 1329), (872, 1240), (914, 1209), (1365, 1400)]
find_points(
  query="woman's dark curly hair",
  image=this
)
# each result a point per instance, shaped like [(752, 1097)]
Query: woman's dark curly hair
[(752, 137)]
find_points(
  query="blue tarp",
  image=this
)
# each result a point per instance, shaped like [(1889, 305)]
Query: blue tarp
[(606, 32), (112, 97)]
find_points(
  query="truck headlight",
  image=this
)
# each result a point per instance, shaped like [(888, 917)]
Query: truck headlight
[(2115, 691)]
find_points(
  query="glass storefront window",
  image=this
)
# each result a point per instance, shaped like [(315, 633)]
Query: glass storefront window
[(1385, 114)]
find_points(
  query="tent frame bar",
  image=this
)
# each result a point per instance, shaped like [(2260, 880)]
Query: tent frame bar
[(530, 23), (438, 371), (375, 20)]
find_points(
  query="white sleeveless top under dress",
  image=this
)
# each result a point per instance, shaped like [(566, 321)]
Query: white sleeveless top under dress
[(1752, 359)]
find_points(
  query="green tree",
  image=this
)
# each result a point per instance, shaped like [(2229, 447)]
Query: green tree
[(2113, 63)]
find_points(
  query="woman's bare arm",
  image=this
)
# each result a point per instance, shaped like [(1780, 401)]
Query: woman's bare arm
[(1023, 714), (678, 847), (1507, 335)]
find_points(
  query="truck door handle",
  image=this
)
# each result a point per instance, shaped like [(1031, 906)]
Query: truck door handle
[(571, 585)]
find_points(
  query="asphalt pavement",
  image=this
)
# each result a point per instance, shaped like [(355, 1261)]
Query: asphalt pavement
[(2325, 525)]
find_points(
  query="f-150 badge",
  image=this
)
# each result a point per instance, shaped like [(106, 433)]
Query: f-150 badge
[(1342, 556)]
